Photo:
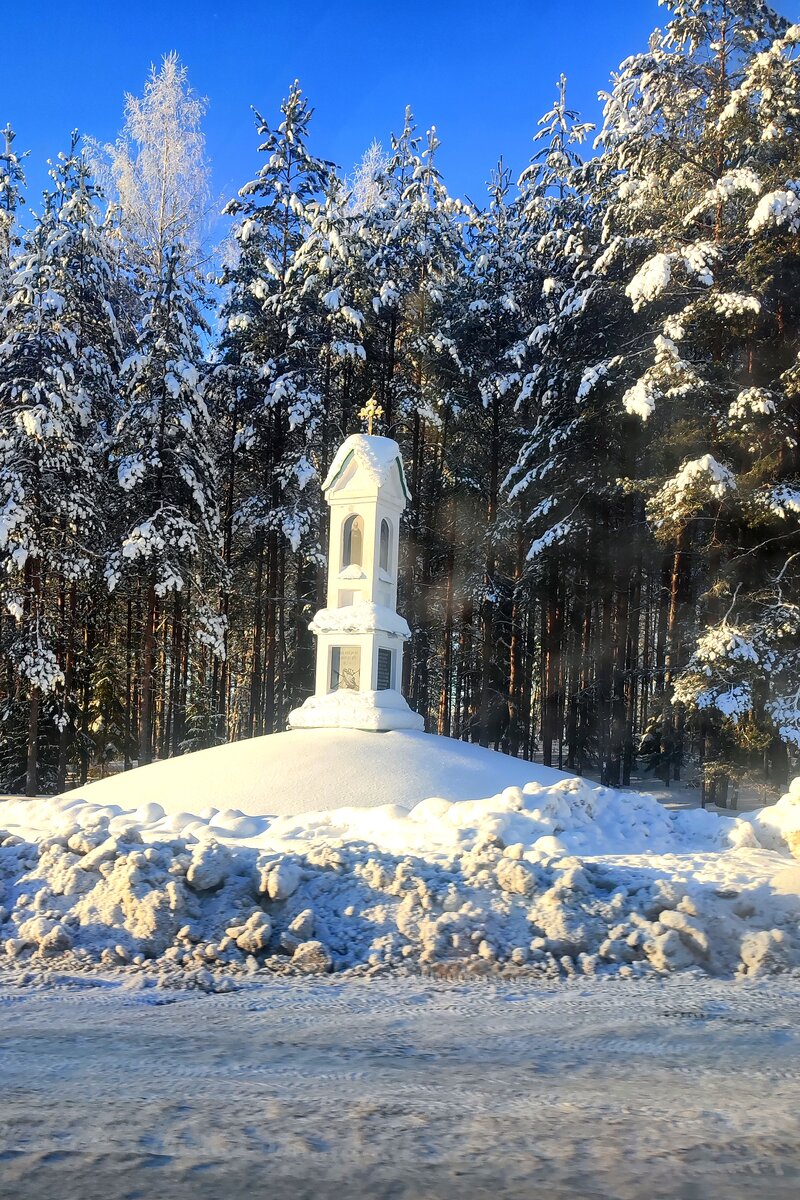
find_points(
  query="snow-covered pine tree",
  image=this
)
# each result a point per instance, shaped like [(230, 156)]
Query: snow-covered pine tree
[(377, 197), (12, 184), (58, 380), (416, 267), (86, 273), (273, 329), (330, 264), (698, 183), (157, 175), (162, 450), (504, 282), (565, 476)]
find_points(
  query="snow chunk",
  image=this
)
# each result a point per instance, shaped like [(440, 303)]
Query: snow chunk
[(751, 401), (280, 880), (640, 399), (313, 958), (652, 278), (253, 936), (778, 208), (707, 471), (210, 863), (698, 481), (778, 827)]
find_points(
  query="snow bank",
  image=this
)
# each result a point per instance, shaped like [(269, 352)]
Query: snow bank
[(556, 877), (778, 827)]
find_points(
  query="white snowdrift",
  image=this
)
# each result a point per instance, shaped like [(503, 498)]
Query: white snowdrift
[(556, 877), (778, 826), (289, 773)]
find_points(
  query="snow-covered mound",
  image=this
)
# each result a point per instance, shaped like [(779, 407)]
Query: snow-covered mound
[(311, 769), (557, 877), (778, 826)]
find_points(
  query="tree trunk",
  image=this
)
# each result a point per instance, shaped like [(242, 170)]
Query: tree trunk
[(31, 768), (147, 685), (69, 684), (671, 722)]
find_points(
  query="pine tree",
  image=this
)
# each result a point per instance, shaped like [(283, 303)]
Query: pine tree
[(504, 284), (419, 251), (12, 183), (567, 465), (688, 160), (58, 365), (163, 453), (275, 317)]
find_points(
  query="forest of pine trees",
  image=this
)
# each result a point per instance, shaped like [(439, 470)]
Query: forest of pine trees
[(593, 374)]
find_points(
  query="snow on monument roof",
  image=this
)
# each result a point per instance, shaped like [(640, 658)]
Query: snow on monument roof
[(374, 455)]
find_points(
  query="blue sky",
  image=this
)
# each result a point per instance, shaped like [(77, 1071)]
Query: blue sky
[(483, 72)]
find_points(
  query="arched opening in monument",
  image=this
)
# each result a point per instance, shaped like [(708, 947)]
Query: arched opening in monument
[(385, 546), (353, 542)]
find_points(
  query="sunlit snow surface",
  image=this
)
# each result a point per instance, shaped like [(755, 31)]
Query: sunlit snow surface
[(401, 1089), (310, 769)]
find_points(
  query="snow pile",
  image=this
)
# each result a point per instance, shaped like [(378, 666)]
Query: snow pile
[(310, 769), (778, 827), (378, 712), (571, 816), (558, 879)]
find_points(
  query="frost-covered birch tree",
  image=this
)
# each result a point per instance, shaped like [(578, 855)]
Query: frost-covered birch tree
[(159, 170)]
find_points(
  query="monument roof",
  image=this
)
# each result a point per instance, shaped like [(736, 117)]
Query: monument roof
[(375, 456)]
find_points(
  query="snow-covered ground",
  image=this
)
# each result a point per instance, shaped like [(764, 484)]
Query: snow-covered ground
[(559, 988), (557, 877), (311, 769), (684, 1089)]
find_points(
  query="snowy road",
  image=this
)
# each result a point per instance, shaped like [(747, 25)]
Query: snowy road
[(401, 1089)]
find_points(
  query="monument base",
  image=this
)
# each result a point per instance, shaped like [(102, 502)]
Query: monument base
[(376, 712)]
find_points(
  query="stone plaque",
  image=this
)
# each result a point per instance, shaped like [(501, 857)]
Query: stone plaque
[(346, 667), (384, 670)]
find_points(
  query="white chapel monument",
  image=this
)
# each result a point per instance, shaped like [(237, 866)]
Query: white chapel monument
[(360, 635), (330, 758)]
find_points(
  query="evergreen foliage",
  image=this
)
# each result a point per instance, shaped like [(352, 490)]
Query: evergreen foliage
[(593, 375)]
